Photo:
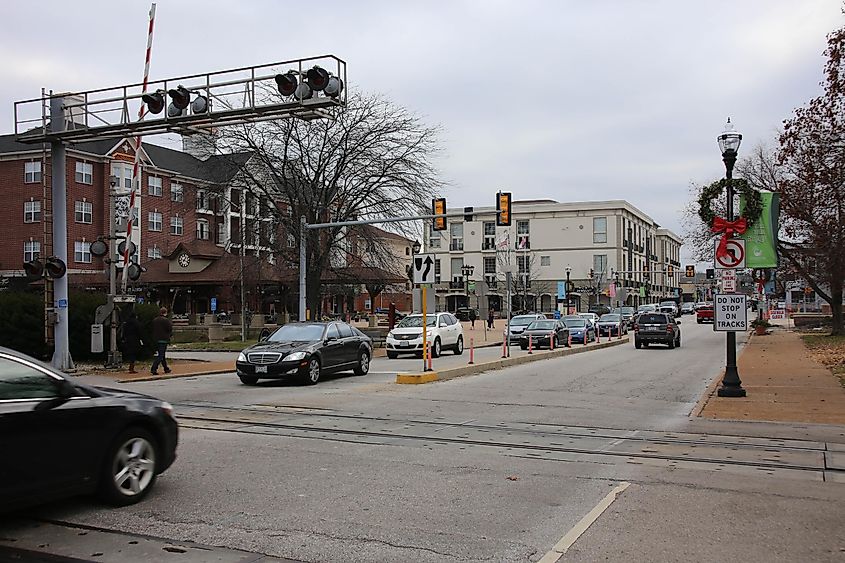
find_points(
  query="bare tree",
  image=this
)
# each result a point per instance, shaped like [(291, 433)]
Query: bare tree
[(812, 190), (373, 160)]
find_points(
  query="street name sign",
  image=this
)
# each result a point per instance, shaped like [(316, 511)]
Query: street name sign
[(423, 268), (735, 257), (729, 281), (731, 313)]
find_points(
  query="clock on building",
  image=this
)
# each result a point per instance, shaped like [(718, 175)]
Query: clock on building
[(184, 259)]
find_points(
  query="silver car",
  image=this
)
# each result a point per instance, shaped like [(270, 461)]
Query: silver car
[(518, 325)]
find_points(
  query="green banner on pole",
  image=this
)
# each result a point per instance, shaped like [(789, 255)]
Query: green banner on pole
[(761, 237), (642, 291)]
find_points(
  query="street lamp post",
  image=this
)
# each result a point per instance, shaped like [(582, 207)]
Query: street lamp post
[(729, 142), (568, 290)]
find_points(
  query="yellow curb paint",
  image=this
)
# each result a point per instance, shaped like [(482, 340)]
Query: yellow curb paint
[(416, 378), (572, 535)]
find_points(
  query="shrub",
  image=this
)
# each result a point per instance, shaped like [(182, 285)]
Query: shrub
[(22, 323)]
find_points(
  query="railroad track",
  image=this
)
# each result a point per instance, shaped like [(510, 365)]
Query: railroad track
[(802, 459)]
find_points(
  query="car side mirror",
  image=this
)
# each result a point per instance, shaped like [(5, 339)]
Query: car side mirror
[(330, 338), (678, 322), (65, 390)]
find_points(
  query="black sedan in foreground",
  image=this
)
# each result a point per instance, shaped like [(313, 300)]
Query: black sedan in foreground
[(306, 351), (59, 438), (550, 334)]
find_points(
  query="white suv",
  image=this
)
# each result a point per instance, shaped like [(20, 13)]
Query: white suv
[(443, 331)]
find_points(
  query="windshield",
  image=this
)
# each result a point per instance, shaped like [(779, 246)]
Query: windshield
[(297, 333), (627, 310), (575, 323), (522, 321), (542, 325), (609, 318), (415, 321), (667, 303)]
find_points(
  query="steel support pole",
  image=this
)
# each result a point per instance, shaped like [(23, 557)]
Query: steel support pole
[(61, 353), (113, 360), (731, 384), (302, 233)]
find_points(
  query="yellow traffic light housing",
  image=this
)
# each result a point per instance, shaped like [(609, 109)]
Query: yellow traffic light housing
[(503, 206), (438, 207), (690, 273)]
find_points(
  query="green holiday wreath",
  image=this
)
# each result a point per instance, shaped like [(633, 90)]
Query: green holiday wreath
[(753, 201)]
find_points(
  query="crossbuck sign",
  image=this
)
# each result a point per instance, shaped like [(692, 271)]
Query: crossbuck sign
[(731, 312)]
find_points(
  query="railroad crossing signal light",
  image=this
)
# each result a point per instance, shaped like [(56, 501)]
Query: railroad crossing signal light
[(55, 268), (286, 83), (154, 101), (34, 269), (134, 271), (503, 206), (181, 98), (52, 267), (438, 207), (318, 78), (690, 273)]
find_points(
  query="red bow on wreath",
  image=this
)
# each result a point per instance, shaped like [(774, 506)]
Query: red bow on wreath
[(728, 230)]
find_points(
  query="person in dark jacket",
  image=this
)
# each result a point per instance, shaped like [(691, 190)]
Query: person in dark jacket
[(472, 317), (131, 340), (162, 331), (490, 318)]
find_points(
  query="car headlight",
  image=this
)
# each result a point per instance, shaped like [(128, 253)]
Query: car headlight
[(390, 334), (168, 408), (242, 357), (296, 356)]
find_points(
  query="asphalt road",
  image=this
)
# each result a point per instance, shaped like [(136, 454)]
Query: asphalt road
[(500, 466)]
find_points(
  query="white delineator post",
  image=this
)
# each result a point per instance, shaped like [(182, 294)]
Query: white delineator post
[(135, 178)]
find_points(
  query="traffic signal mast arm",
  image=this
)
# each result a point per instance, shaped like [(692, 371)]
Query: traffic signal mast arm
[(386, 220)]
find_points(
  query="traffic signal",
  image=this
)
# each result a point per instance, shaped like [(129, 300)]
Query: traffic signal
[(671, 270), (468, 213), (438, 207), (154, 101), (503, 206), (690, 273), (710, 274)]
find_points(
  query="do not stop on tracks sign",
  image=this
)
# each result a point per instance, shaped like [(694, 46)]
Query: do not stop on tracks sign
[(731, 312)]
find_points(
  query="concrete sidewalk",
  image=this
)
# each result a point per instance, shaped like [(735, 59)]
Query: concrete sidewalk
[(178, 368), (783, 382)]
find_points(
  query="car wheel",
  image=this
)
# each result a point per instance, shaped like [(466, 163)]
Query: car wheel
[(435, 348), (678, 342), (645, 344), (698, 321), (363, 363), (637, 343), (671, 344), (523, 346), (459, 347), (248, 379), (392, 355), (312, 376), (129, 469)]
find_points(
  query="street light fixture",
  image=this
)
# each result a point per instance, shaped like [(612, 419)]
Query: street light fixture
[(729, 142), (568, 288)]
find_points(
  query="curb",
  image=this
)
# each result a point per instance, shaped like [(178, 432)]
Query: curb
[(711, 388), (175, 376), (452, 373)]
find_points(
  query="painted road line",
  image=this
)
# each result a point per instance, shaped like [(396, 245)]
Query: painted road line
[(572, 535)]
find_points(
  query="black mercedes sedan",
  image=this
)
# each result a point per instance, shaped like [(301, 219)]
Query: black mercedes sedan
[(60, 438), (305, 351)]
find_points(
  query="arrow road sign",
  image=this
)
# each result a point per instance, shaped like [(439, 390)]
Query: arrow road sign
[(424, 268), (735, 257)]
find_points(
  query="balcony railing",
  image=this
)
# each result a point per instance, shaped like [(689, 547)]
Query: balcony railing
[(488, 244), (456, 244)]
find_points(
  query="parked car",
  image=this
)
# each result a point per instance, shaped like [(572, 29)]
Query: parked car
[(463, 313), (519, 323), (599, 309), (594, 318), (610, 325), (580, 328), (687, 308), (306, 351), (704, 314), (669, 307), (443, 331), (548, 333), (657, 328), (60, 438), (627, 315), (646, 308)]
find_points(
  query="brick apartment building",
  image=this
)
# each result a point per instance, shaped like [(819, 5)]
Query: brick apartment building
[(190, 221)]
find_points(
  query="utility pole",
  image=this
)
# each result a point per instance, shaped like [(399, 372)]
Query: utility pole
[(113, 359)]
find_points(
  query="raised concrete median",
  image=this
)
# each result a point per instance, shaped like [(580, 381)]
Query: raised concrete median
[(523, 358)]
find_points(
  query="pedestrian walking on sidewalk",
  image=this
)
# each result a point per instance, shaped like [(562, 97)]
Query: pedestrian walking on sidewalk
[(162, 332), (130, 340), (490, 318), (472, 318)]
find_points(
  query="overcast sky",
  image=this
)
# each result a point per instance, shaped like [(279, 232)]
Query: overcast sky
[(570, 100)]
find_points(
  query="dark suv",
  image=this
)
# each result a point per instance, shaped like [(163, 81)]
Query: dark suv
[(599, 309), (659, 328)]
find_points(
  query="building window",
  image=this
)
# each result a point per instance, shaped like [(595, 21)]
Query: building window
[(545, 260), (154, 252), (437, 270), (221, 233), (456, 265), (489, 242), (433, 237), (457, 232), (176, 225), (82, 252), (123, 173), (31, 211), (523, 233), (83, 212), (599, 230), (203, 230), (202, 200), (523, 263), (84, 173), (176, 192), (154, 185), (31, 250), (32, 172), (154, 221), (489, 265), (599, 264)]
